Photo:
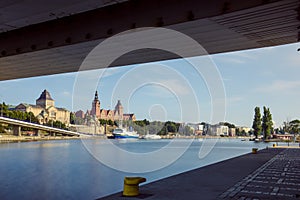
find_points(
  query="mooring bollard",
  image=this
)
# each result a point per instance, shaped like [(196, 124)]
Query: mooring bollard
[(131, 186), (254, 150)]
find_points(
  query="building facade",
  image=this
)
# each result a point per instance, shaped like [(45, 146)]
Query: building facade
[(45, 109), (218, 130), (114, 115), (95, 106), (79, 114)]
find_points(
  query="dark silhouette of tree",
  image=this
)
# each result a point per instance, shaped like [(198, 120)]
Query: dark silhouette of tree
[(267, 123), (257, 122)]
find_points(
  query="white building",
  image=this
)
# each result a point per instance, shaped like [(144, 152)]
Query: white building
[(218, 130)]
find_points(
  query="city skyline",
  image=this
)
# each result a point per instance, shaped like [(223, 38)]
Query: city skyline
[(261, 77)]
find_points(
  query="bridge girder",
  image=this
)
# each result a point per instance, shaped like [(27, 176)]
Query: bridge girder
[(60, 45)]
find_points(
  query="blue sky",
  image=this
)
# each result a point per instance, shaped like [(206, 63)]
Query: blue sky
[(175, 90)]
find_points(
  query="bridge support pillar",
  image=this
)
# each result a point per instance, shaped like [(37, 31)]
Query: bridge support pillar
[(53, 134), (37, 132), (17, 130)]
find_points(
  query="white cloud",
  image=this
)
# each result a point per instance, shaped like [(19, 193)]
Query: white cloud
[(234, 99), (176, 86), (240, 57), (230, 59), (167, 89), (66, 93), (226, 79), (280, 86), (228, 100), (113, 71)]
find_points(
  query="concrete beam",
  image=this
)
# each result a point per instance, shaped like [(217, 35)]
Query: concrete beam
[(107, 21), (60, 46)]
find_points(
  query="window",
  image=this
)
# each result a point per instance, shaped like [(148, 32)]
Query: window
[(52, 114)]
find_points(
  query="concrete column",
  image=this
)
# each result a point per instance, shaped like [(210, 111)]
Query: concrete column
[(53, 134), (37, 132), (17, 130)]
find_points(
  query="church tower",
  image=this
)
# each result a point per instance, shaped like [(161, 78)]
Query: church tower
[(45, 100), (96, 106), (119, 111)]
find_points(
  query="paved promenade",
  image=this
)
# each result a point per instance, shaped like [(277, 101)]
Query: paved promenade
[(272, 173)]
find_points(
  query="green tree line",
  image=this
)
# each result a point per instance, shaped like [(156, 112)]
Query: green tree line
[(144, 127), (16, 114), (262, 125), (27, 116)]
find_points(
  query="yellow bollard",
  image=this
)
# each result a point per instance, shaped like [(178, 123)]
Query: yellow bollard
[(254, 150), (131, 186)]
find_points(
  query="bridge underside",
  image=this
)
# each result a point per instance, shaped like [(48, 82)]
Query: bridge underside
[(51, 46)]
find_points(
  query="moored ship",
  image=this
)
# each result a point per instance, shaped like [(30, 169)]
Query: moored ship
[(121, 133)]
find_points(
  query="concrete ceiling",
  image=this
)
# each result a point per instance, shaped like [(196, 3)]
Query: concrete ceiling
[(15, 14), (56, 38)]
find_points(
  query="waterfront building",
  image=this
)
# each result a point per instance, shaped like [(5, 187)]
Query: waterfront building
[(196, 128), (95, 106), (114, 115), (219, 130), (79, 114), (199, 129), (45, 109), (232, 132), (130, 117)]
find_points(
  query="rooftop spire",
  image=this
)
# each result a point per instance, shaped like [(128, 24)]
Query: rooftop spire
[(119, 103), (45, 96), (96, 95)]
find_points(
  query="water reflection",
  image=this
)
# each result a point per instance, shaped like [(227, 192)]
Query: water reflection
[(66, 170)]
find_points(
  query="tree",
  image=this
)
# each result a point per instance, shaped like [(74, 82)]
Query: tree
[(267, 123), (188, 130), (229, 125), (72, 118), (294, 126), (171, 126), (257, 122), (4, 109), (110, 122), (56, 124), (31, 118), (103, 121)]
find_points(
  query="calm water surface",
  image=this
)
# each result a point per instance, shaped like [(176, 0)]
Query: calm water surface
[(67, 170)]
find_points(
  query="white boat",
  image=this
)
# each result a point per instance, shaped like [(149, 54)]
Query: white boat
[(121, 133), (152, 137)]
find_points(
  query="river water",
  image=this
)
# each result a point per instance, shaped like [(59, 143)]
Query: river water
[(74, 169)]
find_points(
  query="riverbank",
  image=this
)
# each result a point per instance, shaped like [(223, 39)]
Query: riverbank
[(264, 175), (12, 138)]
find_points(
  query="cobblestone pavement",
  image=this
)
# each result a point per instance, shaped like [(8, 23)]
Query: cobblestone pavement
[(279, 178)]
